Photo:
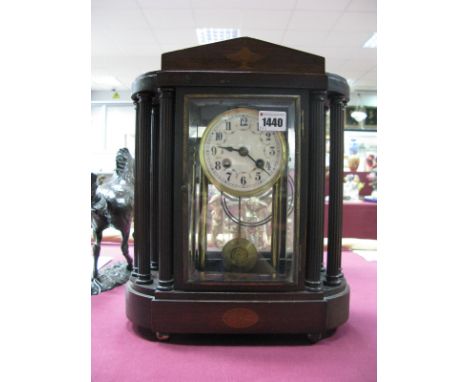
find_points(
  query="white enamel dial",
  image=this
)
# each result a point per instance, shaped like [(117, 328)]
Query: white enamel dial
[(238, 158)]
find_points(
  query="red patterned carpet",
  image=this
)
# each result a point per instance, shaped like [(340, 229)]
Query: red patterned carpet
[(121, 354)]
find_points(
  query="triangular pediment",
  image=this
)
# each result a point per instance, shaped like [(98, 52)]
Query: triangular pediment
[(244, 54)]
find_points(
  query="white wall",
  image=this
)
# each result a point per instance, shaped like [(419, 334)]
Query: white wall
[(112, 127), (106, 96), (368, 98)]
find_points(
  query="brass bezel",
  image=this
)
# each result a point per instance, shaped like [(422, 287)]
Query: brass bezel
[(220, 186)]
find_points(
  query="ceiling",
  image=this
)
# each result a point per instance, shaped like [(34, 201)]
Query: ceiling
[(129, 36)]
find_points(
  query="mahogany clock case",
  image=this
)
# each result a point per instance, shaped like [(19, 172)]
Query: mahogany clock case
[(159, 296)]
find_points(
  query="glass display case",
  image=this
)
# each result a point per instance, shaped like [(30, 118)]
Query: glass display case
[(360, 145), (240, 180)]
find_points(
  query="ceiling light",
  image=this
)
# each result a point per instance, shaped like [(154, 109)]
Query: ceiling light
[(372, 42), (359, 114), (106, 80), (208, 35)]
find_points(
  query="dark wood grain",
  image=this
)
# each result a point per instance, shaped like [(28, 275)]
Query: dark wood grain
[(244, 54), (157, 79), (135, 243), (316, 190), (165, 176), (207, 316), (335, 209), (142, 194), (154, 185)]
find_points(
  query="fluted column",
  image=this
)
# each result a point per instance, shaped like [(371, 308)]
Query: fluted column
[(165, 192), (142, 191), (335, 208), (154, 185), (135, 191), (316, 190)]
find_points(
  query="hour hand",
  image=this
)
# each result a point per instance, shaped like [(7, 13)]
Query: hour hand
[(228, 148)]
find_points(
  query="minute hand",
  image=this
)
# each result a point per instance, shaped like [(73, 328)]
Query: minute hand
[(259, 163)]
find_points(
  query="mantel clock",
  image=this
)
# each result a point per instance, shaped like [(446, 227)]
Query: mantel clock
[(229, 193)]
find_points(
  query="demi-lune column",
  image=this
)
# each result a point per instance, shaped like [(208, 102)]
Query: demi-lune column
[(154, 185), (135, 191), (142, 189), (335, 208), (316, 190), (165, 192)]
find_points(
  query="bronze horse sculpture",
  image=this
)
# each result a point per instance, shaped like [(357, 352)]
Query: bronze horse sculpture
[(112, 205)]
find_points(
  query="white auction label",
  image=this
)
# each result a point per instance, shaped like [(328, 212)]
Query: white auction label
[(272, 120)]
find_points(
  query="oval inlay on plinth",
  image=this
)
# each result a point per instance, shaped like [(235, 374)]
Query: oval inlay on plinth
[(240, 318)]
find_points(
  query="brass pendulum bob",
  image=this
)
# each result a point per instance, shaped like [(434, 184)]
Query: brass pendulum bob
[(239, 254)]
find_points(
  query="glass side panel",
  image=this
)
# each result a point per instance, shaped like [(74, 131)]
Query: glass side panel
[(241, 178)]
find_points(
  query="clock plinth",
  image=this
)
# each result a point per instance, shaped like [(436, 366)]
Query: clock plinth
[(229, 193), (316, 314)]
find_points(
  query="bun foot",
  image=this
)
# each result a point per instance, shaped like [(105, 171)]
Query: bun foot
[(314, 337), (330, 332), (162, 336)]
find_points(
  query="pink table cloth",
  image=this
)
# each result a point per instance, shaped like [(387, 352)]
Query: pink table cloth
[(121, 354)]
